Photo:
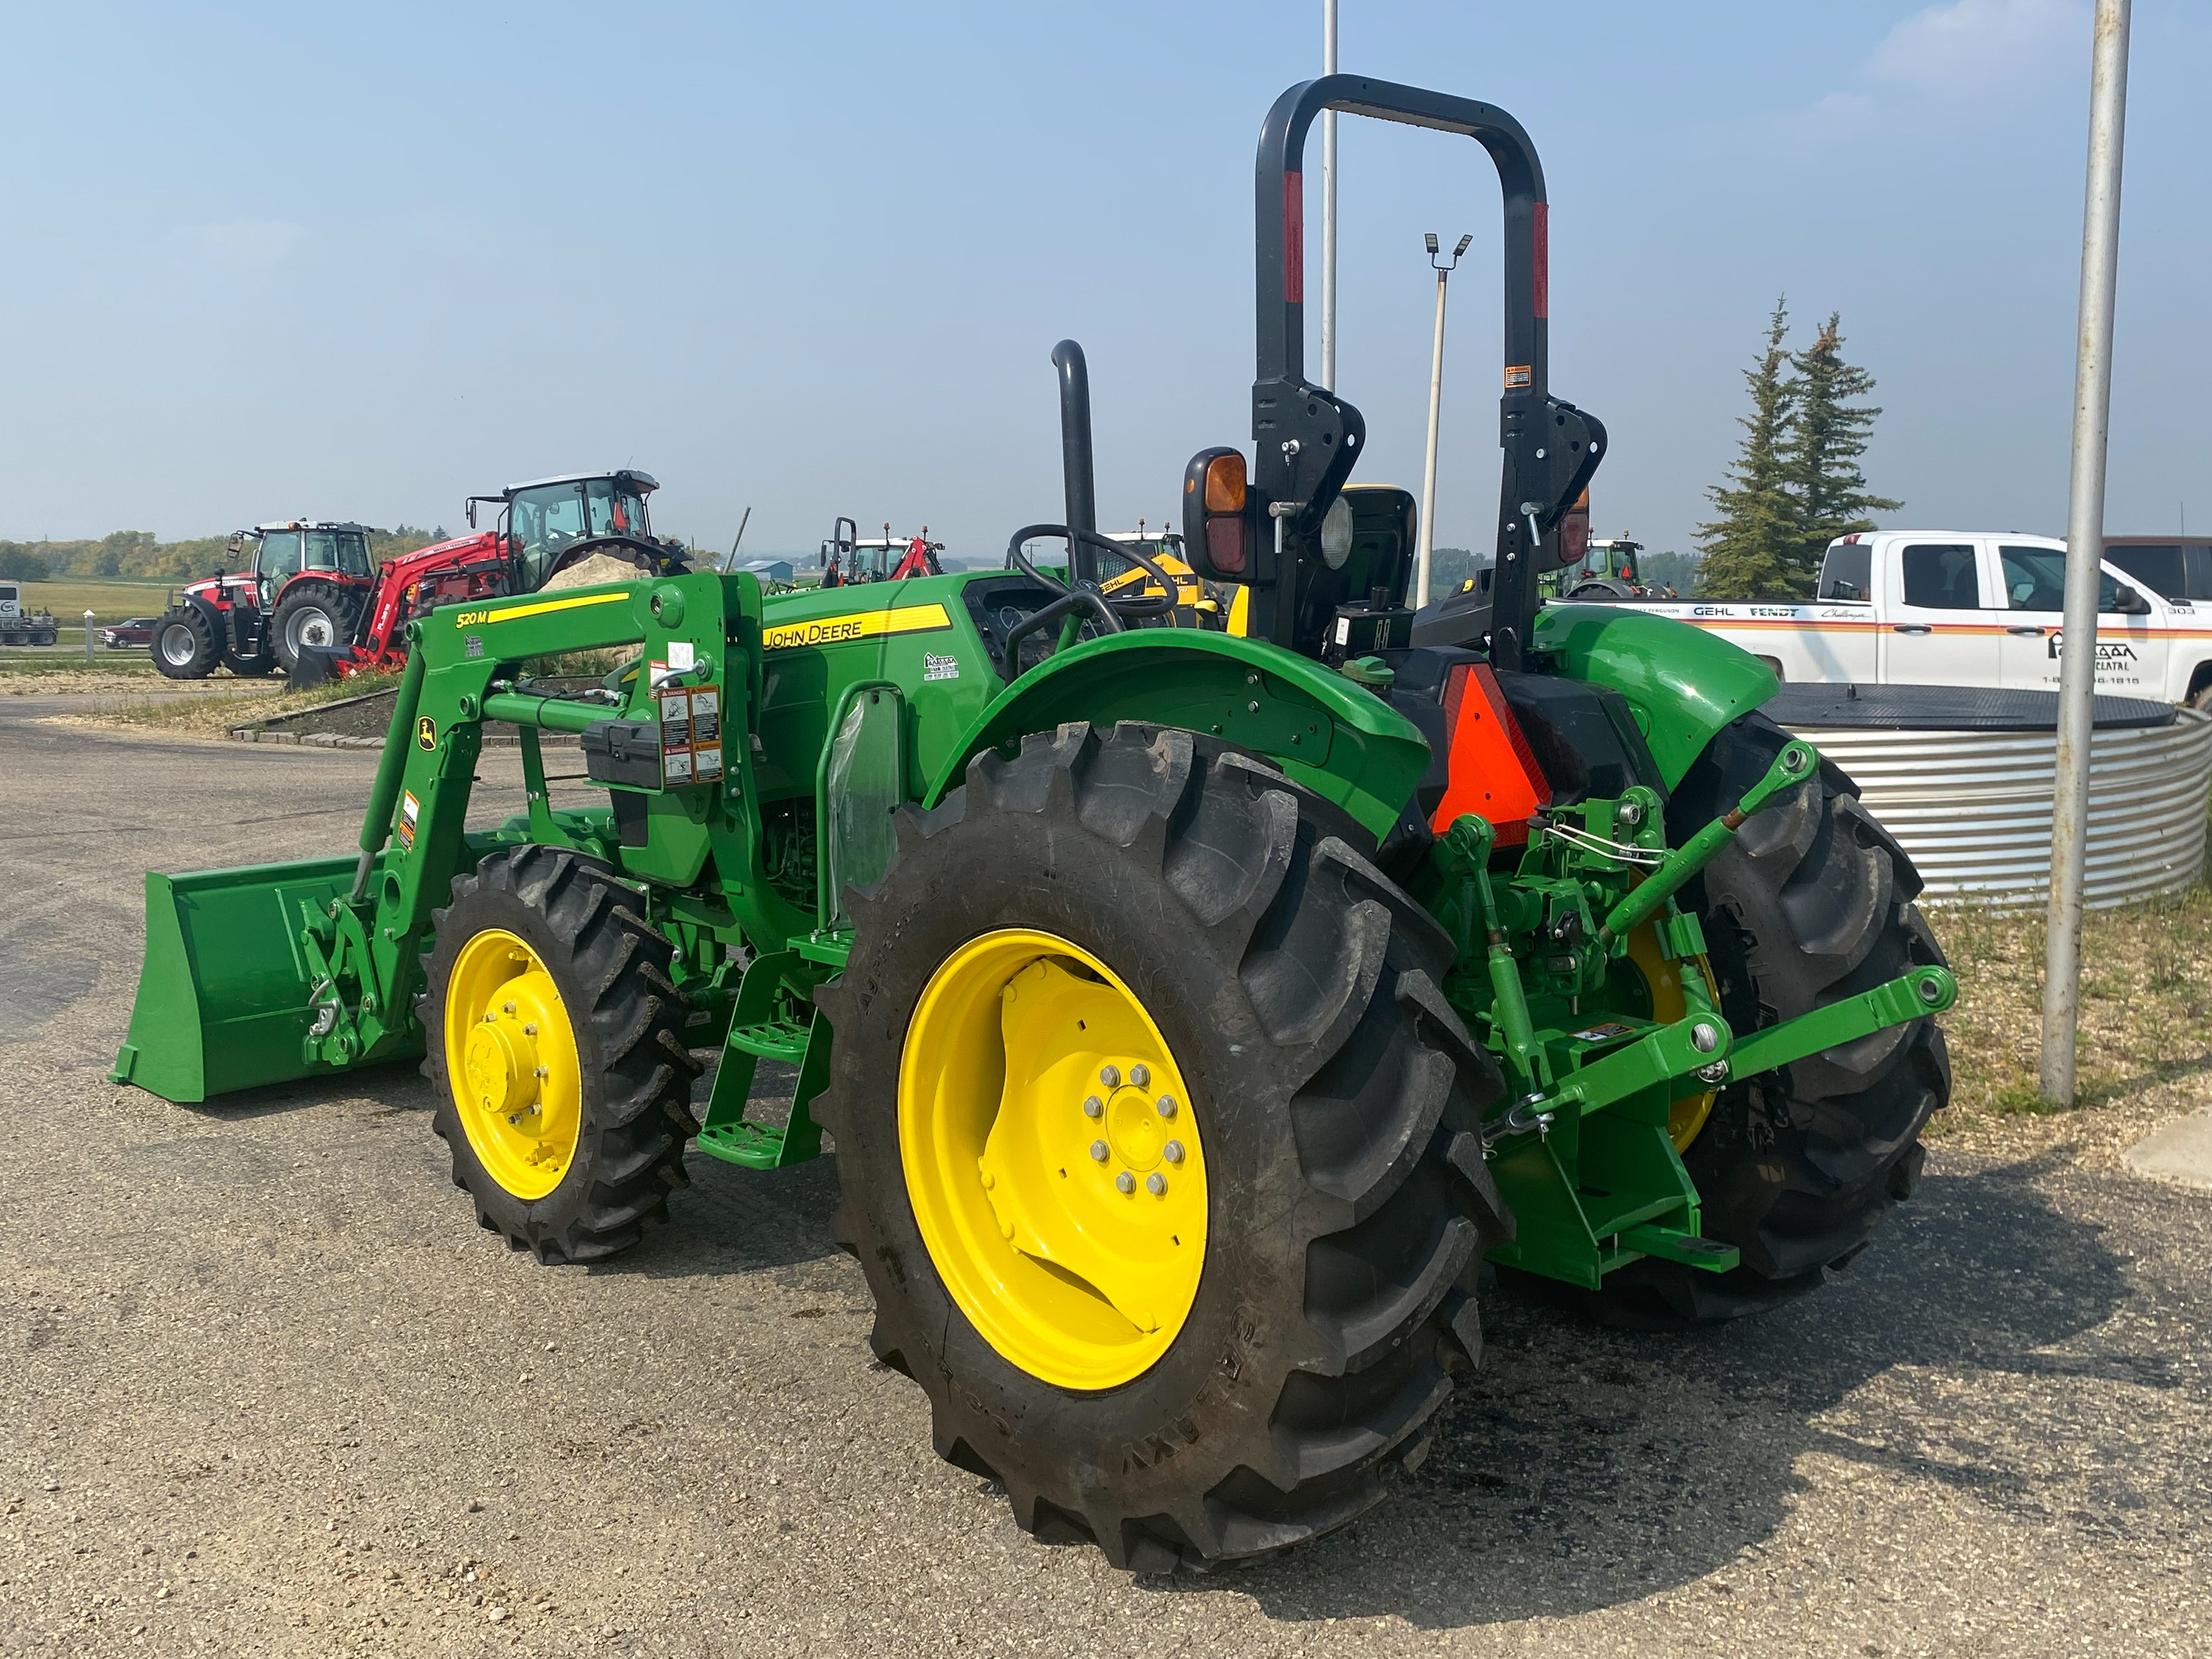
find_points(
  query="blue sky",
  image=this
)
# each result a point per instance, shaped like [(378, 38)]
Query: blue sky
[(362, 262)]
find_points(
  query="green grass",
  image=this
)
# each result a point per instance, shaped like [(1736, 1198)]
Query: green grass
[(2146, 1006)]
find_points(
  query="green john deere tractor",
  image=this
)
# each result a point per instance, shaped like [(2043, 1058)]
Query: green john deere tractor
[(1195, 1013)]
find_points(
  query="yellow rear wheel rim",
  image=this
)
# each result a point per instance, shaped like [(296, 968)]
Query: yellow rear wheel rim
[(511, 1063), (1052, 1158), (1686, 1115)]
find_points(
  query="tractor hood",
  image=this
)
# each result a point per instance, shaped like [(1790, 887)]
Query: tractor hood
[(218, 589)]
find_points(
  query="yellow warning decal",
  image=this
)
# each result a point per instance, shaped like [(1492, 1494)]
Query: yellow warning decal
[(544, 608), (855, 625)]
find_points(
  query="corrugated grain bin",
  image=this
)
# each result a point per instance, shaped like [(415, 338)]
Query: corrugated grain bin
[(1963, 778)]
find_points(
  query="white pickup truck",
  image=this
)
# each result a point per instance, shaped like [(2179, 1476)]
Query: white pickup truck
[(1965, 607)]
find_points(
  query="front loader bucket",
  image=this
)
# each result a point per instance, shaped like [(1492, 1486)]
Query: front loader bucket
[(225, 994)]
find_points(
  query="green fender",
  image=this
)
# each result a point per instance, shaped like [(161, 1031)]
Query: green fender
[(1339, 740), (1682, 684)]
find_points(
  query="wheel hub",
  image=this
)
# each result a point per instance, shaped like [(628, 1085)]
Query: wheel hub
[(503, 1064), (1052, 1158), (1134, 1129)]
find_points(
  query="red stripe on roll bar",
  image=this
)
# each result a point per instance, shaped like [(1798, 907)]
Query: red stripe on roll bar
[(1542, 256), (1294, 239)]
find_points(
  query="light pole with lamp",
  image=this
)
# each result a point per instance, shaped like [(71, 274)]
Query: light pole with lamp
[(1436, 410)]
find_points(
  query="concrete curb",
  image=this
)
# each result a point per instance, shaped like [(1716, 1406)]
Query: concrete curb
[(2181, 1152)]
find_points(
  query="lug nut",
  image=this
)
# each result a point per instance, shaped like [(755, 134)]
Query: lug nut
[(1139, 1075), (1092, 1106), (542, 1071), (1172, 1151), (1110, 1076), (1125, 1182), (1156, 1183), (1704, 1038), (530, 1030), (507, 1008), (1166, 1106), (1099, 1150)]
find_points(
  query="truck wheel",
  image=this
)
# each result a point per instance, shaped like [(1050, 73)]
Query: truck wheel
[(1155, 1141), (185, 645), (312, 613), (557, 1047), (1797, 1168)]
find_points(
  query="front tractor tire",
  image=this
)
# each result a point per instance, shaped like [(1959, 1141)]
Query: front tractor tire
[(1158, 1146), (555, 1046), (184, 644), (318, 614), (1797, 1168)]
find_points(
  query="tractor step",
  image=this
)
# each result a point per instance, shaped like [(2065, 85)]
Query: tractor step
[(754, 1146), (774, 1039)]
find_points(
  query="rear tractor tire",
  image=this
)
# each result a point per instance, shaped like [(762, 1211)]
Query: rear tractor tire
[(312, 613), (556, 1040), (1811, 902), (1158, 1145), (185, 645)]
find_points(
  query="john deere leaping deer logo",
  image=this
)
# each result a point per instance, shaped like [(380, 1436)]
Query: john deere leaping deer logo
[(426, 732)]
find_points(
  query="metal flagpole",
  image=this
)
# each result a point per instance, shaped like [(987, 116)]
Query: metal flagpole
[(2085, 545), (1329, 204)]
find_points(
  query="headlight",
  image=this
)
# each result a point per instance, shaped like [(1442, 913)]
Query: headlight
[(1336, 534)]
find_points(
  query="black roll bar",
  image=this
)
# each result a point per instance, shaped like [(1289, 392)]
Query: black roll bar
[(1307, 437)]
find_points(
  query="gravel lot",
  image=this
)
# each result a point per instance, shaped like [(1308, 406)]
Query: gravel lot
[(268, 1389)]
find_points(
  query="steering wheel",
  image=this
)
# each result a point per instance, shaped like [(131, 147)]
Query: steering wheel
[(1112, 615)]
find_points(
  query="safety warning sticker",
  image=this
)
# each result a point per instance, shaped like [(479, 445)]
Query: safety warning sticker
[(411, 809)]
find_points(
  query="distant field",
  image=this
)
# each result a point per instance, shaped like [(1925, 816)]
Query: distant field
[(109, 600)]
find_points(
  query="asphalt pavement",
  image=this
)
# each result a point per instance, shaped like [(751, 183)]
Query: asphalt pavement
[(268, 1389)]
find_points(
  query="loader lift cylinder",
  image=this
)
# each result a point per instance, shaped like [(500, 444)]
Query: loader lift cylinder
[(391, 766)]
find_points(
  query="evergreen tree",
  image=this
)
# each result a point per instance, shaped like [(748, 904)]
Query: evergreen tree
[(1749, 548), (1821, 456)]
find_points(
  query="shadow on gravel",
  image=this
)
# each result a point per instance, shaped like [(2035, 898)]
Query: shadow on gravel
[(1581, 1467), (735, 1220)]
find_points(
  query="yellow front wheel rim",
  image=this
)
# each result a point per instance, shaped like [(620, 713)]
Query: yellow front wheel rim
[(1686, 1115), (1053, 1158), (511, 1063)]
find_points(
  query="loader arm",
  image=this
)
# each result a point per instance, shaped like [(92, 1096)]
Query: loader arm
[(256, 976)]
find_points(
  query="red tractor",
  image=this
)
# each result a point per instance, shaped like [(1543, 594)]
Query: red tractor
[(846, 558), (311, 602), (310, 574)]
